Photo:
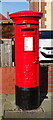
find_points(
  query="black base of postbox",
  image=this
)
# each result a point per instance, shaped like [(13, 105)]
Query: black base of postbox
[(28, 98)]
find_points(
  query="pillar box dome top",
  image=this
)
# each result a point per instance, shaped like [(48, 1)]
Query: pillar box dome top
[(21, 14)]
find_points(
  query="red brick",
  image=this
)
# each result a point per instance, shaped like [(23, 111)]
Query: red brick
[(50, 78), (50, 74), (50, 82), (50, 86), (50, 90), (50, 68), (8, 80)]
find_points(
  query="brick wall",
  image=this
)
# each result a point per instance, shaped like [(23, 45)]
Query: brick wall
[(34, 6), (43, 19), (7, 30), (0, 31), (8, 79), (50, 78)]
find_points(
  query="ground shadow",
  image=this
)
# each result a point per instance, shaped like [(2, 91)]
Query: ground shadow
[(43, 75)]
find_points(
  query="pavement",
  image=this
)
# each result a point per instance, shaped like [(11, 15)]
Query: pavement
[(10, 110), (1, 113)]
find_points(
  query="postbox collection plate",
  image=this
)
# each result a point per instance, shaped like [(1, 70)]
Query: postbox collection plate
[(28, 43)]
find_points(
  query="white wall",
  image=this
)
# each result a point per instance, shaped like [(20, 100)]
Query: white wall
[(49, 14)]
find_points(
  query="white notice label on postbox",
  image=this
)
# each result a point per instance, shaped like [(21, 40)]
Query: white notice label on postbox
[(28, 43)]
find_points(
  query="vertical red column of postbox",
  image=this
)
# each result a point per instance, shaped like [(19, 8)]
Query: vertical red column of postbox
[(26, 28)]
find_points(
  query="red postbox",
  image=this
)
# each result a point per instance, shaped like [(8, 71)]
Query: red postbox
[(26, 28)]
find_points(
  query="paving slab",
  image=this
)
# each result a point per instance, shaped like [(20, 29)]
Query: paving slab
[(23, 114), (11, 114), (44, 111), (1, 110), (46, 105)]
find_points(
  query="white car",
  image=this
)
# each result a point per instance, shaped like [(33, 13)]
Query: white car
[(46, 45), (45, 49)]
